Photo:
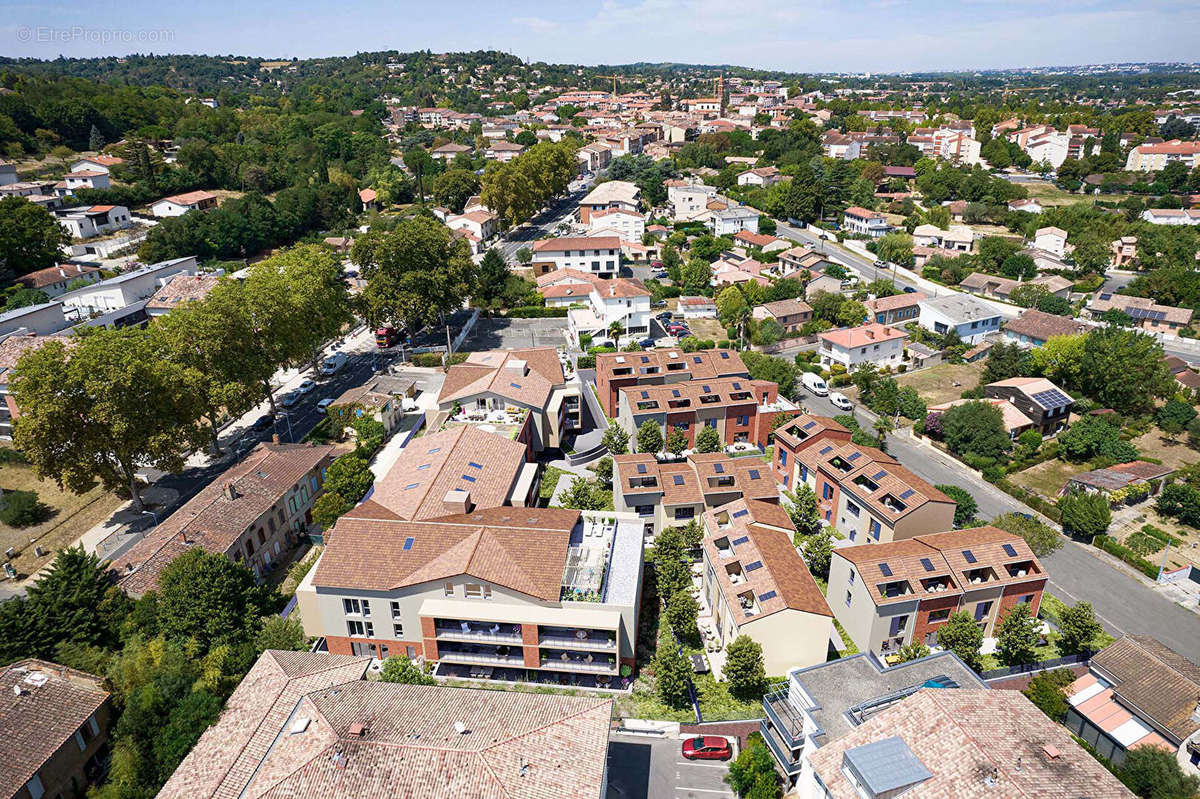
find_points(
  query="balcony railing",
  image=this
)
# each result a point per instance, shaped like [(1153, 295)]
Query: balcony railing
[(477, 657), (785, 718), (788, 764), (599, 666), (571, 642), (485, 636)]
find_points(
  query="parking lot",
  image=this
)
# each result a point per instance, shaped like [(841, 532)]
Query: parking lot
[(641, 767), (494, 334)]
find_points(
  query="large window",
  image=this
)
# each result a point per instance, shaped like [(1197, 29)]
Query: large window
[(395, 609), (354, 627), (477, 591)]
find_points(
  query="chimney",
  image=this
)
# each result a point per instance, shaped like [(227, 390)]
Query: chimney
[(357, 730), (274, 438), (1051, 751), (183, 537), (229, 491), (458, 500)]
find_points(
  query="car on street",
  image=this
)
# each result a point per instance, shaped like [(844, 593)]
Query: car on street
[(840, 400), (333, 364), (306, 387), (262, 423), (291, 398), (324, 404), (707, 747)]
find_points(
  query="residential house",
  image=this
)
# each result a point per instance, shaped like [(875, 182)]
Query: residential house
[(479, 223), (760, 241), (594, 157), (53, 281), (1185, 378), (822, 284), (958, 238), (821, 703), (179, 289), (89, 221), (620, 301), (791, 314), (86, 179), (1051, 239), (741, 411), (958, 743), (1145, 312), (970, 318), (1048, 406), (54, 723), (251, 513), (887, 596), (1029, 206), (380, 398), (1033, 328), (1002, 288), (619, 370), (733, 269), (598, 255), (1154, 157), (610, 194), (860, 221), (797, 434), (688, 199), (502, 150), (755, 584), (800, 261), (762, 177), (868, 496), (674, 493), (1120, 476), (627, 225), (296, 726), (838, 145), (1015, 422), (42, 319), (126, 289), (8, 173), (730, 221), (97, 163), (1172, 216), (898, 309), (1138, 692), (561, 288), (180, 204), (507, 594), (699, 307), (522, 388), (449, 150), (872, 342), (1124, 252)]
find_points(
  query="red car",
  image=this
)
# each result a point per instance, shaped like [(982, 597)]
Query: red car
[(707, 747)]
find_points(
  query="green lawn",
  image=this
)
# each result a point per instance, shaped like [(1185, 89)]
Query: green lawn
[(550, 477)]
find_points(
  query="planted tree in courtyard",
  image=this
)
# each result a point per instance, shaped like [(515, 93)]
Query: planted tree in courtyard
[(1018, 636), (649, 437), (962, 635), (744, 668)]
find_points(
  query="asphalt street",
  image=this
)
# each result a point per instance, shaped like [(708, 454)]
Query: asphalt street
[(558, 211)]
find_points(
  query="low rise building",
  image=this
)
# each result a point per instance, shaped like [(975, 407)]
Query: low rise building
[(790, 314), (870, 343), (887, 596), (53, 281), (697, 307), (180, 204), (598, 255), (862, 222), (89, 221), (297, 726), (797, 434), (54, 723), (761, 177), (618, 370), (381, 398), (755, 584), (609, 194), (970, 318), (800, 261), (1172, 216), (1033, 328), (899, 309), (1015, 423), (688, 199), (126, 289), (628, 225), (1124, 252), (1154, 157), (958, 238), (479, 223), (252, 513), (622, 302), (1119, 477), (180, 289), (12, 347), (730, 221), (86, 179), (1046, 405), (1145, 312)]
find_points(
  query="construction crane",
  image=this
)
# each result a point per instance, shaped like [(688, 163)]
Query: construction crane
[(614, 78)]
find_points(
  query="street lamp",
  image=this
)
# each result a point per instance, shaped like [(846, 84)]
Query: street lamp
[(153, 515), (288, 417)]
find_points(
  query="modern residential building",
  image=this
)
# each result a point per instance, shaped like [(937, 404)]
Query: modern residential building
[(89, 221), (310, 724), (597, 255), (1046, 405), (868, 496), (380, 398), (730, 221), (790, 314), (756, 584), (1138, 692), (972, 319), (97, 163), (1145, 312), (523, 388), (761, 177), (888, 595), (959, 743), (86, 179), (618, 370), (1172, 216), (823, 702), (252, 513), (479, 223), (180, 204), (688, 199), (510, 594), (801, 260), (673, 493), (54, 723), (180, 289), (742, 411), (628, 225), (899, 309), (862, 222), (874, 343), (1033, 328), (126, 289), (620, 301), (799, 433), (53, 281), (1153, 157), (609, 194)]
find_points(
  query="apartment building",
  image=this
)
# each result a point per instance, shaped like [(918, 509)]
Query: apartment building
[(860, 221), (621, 301), (628, 225), (797, 434), (598, 255), (126, 289), (958, 742), (823, 702), (609, 194), (618, 370), (1138, 692), (870, 343), (297, 726), (868, 496), (741, 410), (688, 199), (731, 221), (1145, 312), (1153, 157), (674, 493), (524, 389), (512, 594), (54, 723), (888, 595), (755, 584)]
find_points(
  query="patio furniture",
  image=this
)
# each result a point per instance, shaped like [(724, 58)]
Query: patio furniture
[(466, 628), (495, 628)]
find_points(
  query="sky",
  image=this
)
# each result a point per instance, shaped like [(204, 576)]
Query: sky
[(790, 35)]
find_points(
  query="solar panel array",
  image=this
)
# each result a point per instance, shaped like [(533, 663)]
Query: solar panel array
[(886, 569), (809, 424), (1010, 550), (1052, 398), (1146, 313), (969, 555), (719, 468)]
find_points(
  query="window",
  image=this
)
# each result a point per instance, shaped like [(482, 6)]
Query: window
[(354, 628), (981, 610), (383, 651), (939, 615), (803, 472), (352, 607), (710, 423), (397, 630), (875, 528), (292, 503), (852, 508), (848, 598), (271, 525), (395, 609), (851, 580), (685, 513), (449, 588), (36, 791), (783, 457), (370, 629), (899, 624), (644, 510), (827, 491), (743, 421), (1027, 599), (477, 591), (262, 538)]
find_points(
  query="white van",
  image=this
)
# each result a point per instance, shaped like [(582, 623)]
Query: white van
[(333, 364), (814, 383)]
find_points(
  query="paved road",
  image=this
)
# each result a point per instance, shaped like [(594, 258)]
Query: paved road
[(558, 211), (1123, 604), (864, 267)]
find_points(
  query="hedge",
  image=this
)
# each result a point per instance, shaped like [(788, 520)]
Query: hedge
[(435, 358), (537, 312), (1047, 509), (585, 362), (1112, 547)]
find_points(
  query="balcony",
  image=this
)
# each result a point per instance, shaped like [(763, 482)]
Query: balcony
[(1022, 569), (979, 576), (786, 719), (482, 657), (479, 633), (789, 765), (567, 638), (588, 664)]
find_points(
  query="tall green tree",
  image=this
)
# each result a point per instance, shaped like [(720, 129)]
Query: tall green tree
[(1154, 773), (975, 427), (752, 773), (1124, 370), (1042, 539), (708, 440), (399, 668), (965, 506), (962, 635), (803, 509), (1017, 636), (30, 238), (744, 668), (1078, 629), (649, 437), (207, 598), (672, 674), (103, 408), (454, 187), (1084, 513)]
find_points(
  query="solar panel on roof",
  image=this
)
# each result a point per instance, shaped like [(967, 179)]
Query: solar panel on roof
[(641, 468), (755, 565), (1010, 550), (766, 596), (969, 555), (927, 564), (468, 478), (697, 359), (742, 540), (1106, 296), (886, 569), (645, 359), (408, 543), (854, 456), (474, 465), (514, 385), (737, 514), (908, 492), (679, 479), (809, 424), (719, 468), (1052, 398), (435, 449), (754, 474), (411, 486)]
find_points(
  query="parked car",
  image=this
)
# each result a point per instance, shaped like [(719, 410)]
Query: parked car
[(814, 383), (647, 343), (665, 316), (707, 747), (333, 364), (324, 404), (677, 329), (306, 387), (840, 400), (265, 422), (291, 398)]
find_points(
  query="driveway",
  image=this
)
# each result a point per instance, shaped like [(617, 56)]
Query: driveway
[(641, 767)]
